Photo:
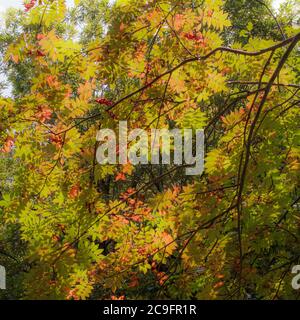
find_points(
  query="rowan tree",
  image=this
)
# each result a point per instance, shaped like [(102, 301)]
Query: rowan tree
[(86, 230)]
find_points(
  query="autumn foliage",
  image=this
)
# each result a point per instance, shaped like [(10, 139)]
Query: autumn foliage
[(140, 232)]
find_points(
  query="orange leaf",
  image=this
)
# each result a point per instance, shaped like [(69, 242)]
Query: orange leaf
[(44, 113), (74, 191), (8, 144), (121, 177), (219, 285)]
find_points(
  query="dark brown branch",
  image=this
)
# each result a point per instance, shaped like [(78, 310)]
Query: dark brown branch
[(274, 17), (253, 125), (178, 66), (265, 83)]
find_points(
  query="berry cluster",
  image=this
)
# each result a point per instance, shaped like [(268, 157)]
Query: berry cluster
[(104, 101), (29, 5), (197, 37)]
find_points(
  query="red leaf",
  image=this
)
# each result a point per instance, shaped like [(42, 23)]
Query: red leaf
[(117, 298), (134, 282), (39, 53), (74, 191), (29, 4), (121, 177), (104, 101), (56, 140), (40, 36), (44, 113), (210, 13)]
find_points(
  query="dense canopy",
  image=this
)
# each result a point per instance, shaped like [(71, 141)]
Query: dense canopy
[(74, 229)]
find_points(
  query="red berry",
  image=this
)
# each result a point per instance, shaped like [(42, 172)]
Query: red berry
[(104, 101), (39, 53)]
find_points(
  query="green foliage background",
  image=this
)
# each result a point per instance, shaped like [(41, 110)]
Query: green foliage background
[(72, 229)]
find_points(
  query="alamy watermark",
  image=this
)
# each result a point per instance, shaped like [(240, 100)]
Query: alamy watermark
[(180, 146), (2, 278), (296, 279)]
